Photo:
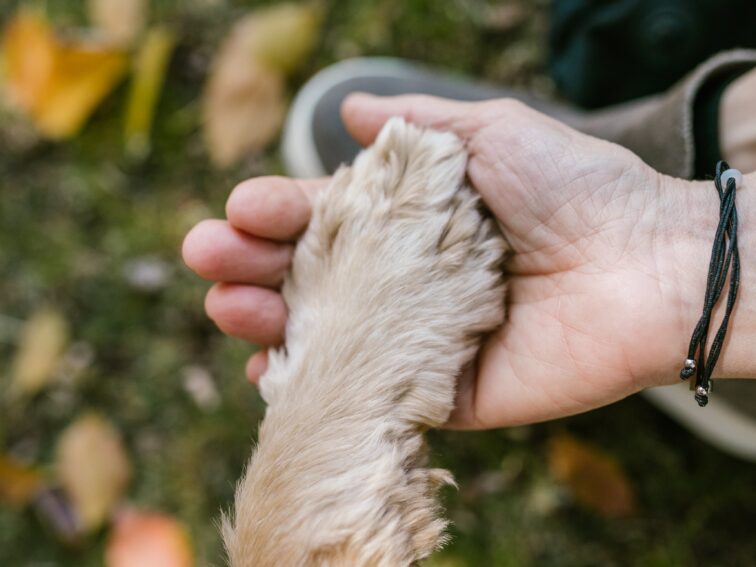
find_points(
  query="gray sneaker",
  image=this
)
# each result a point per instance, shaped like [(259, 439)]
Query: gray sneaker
[(315, 143)]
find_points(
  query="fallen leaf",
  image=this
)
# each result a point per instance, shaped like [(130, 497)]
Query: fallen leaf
[(244, 106), (57, 82), (243, 109), (28, 47), (120, 20), (280, 36), (93, 469), (42, 343), (595, 479), (144, 539), (18, 483), (150, 67)]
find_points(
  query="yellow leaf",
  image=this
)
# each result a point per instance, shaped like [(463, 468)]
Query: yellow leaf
[(595, 479), (93, 469), (18, 483), (120, 20), (243, 109), (57, 82), (143, 539), (149, 73), (28, 53), (41, 345), (279, 36)]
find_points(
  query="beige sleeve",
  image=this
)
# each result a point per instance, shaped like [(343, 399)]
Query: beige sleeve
[(659, 128)]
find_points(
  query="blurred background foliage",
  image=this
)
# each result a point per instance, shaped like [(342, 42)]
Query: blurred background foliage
[(90, 237)]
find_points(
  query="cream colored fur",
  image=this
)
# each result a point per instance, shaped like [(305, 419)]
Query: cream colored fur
[(392, 286)]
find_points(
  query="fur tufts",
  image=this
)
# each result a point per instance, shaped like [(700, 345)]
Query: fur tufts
[(392, 286)]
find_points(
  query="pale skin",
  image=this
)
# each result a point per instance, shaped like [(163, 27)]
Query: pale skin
[(607, 276)]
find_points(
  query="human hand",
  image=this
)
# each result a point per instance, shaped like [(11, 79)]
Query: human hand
[(605, 282)]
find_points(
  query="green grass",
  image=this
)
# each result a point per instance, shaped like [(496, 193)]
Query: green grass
[(72, 215)]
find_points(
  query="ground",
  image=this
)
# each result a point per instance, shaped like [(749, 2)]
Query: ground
[(76, 216)]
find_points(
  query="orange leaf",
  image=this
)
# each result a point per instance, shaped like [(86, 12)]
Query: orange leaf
[(595, 479), (57, 82), (144, 539), (18, 483)]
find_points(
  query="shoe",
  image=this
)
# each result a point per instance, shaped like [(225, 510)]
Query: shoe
[(315, 143), (728, 421)]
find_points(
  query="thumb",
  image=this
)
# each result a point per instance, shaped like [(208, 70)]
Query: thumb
[(364, 114)]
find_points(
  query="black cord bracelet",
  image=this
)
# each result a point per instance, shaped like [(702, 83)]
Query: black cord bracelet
[(724, 259)]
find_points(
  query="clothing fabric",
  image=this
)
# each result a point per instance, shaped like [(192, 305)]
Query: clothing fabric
[(661, 128), (610, 51)]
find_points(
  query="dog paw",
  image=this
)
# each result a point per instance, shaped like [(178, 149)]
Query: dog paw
[(392, 286), (398, 273)]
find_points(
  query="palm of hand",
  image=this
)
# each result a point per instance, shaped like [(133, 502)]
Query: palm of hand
[(585, 290)]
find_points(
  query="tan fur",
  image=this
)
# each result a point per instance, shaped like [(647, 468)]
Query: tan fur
[(392, 286)]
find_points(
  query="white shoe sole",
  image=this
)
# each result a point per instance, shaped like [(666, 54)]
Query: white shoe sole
[(718, 423)]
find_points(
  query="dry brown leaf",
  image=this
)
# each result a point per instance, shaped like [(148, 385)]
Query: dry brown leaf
[(120, 20), (244, 105), (243, 109), (18, 483), (143, 539), (57, 82), (93, 469), (41, 346), (595, 479)]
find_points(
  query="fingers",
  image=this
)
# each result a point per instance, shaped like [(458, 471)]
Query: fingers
[(364, 115), (261, 212), (256, 366), (255, 314), (252, 247), (217, 251), (277, 208)]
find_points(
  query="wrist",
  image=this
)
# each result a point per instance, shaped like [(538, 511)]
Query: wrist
[(689, 240)]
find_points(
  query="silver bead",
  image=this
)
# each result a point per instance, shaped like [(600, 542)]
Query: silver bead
[(701, 391), (690, 363), (731, 174)]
